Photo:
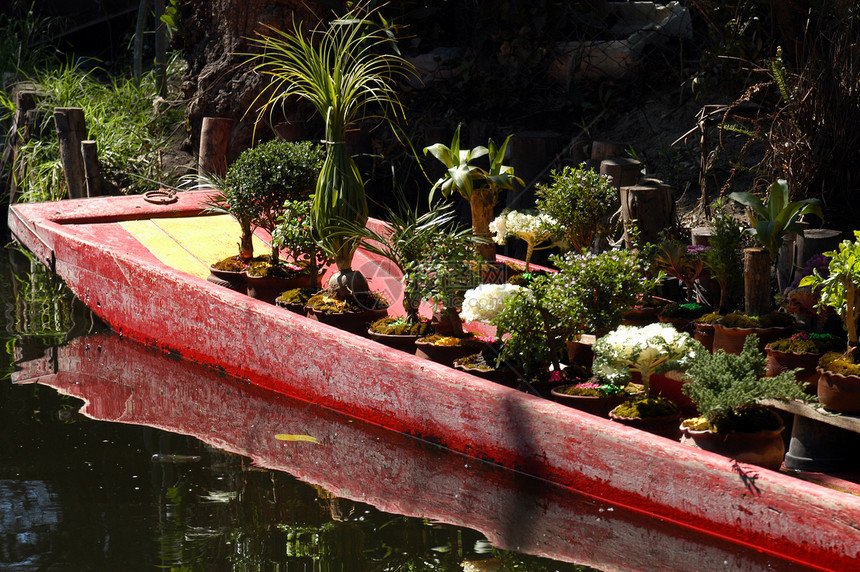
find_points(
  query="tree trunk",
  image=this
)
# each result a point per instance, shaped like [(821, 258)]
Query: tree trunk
[(652, 206), (217, 83), (757, 298), (482, 215), (214, 145)]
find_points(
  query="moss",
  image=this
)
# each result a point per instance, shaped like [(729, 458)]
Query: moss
[(260, 266), (837, 362), (697, 424), (770, 320), (808, 343), (398, 326), (326, 304), (475, 361), (708, 318), (647, 407), (298, 295), (231, 264), (691, 310)]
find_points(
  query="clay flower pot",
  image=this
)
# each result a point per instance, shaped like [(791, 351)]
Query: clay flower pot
[(667, 426), (779, 361), (764, 448), (732, 339), (232, 279), (837, 392), (599, 406)]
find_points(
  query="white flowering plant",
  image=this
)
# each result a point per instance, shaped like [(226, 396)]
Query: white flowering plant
[(655, 348), (529, 225), (483, 304)]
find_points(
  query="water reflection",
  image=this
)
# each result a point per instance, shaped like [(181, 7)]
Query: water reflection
[(194, 473)]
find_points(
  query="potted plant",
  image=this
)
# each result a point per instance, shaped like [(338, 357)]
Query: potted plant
[(485, 304), (646, 351), (595, 291), (577, 201), (343, 70), (839, 382), (353, 313), (449, 267), (263, 178), (770, 223), (724, 260), (703, 329), (594, 395), (731, 330), (229, 272), (682, 314), (726, 389), (529, 225), (294, 235), (801, 352), (479, 186), (685, 263)]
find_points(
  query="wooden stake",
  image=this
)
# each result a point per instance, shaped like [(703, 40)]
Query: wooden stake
[(652, 207), (624, 172), (71, 130), (215, 138), (757, 298), (92, 173)]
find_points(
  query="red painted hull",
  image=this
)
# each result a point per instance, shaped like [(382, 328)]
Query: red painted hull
[(400, 474), (282, 351)]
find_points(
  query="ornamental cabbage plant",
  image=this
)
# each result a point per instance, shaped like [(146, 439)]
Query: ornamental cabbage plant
[(655, 348), (530, 226), (483, 304)]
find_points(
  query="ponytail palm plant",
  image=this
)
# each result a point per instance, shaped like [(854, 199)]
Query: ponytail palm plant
[(341, 69)]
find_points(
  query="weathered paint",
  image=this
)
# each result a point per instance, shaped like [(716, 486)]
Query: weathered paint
[(142, 298), (362, 462)]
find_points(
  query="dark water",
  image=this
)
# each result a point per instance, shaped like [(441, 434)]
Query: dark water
[(115, 457)]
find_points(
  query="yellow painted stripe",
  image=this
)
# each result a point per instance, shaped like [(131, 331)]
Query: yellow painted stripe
[(190, 244)]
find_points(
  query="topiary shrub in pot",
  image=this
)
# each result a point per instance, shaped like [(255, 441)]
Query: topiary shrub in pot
[(726, 389)]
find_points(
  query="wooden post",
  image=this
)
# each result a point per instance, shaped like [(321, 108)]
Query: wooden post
[(757, 298), (624, 172), (215, 138), (92, 173), (601, 150), (814, 241), (71, 130), (652, 206), (25, 102)]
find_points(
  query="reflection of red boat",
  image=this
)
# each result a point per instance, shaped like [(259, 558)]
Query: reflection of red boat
[(90, 243), (399, 474)]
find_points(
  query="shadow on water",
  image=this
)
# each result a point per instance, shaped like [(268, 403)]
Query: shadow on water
[(118, 457)]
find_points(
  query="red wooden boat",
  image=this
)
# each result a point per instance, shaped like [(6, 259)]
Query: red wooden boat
[(97, 246), (399, 474)]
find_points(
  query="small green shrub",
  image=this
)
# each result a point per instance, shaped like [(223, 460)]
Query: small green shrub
[(577, 199), (722, 384)]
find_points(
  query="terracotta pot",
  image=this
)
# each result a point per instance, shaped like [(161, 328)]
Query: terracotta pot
[(600, 406), (442, 354), (669, 385), (503, 376), (837, 392), (764, 448), (732, 339), (681, 324), (402, 342), (292, 307), (231, 279), (640, 316), (268, 288), (667, 426), (778, 362), (581, 351), (353, 322), (704, 334)]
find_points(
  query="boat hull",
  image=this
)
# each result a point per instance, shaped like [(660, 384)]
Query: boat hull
[(146, 300)]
